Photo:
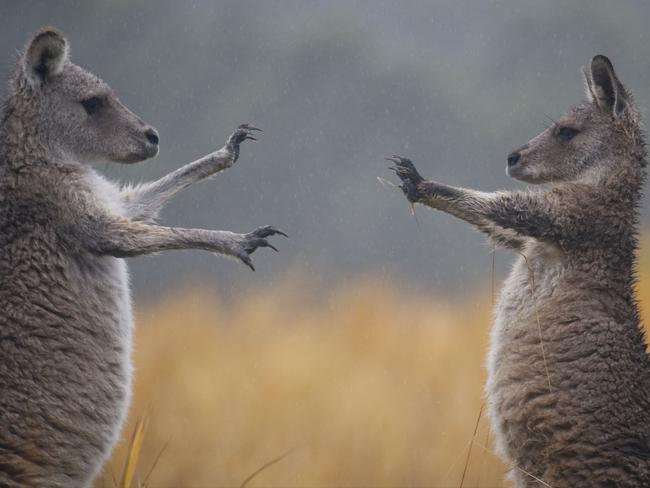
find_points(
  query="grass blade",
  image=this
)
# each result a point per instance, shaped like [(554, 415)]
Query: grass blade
[(135, 447)]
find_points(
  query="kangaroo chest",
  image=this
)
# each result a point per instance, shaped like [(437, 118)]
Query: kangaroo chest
[(517, 363)]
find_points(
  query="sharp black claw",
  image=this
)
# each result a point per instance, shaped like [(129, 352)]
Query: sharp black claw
[(262, 231), (272, 247), (408, 174), (267, 231), (246, 260)]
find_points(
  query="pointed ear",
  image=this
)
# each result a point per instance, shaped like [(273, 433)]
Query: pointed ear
[(606, 89), (45, 56)]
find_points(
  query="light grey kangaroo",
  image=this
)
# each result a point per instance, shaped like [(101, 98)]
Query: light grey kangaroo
[(569, 381), (65, 307)]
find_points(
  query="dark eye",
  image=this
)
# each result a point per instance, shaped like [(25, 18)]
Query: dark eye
[(93, 104), (567, 133)]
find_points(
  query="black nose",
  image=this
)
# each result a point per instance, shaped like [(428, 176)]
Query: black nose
[(152, 136), (513, 158)]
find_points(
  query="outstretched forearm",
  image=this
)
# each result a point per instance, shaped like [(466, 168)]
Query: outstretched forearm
[(529, 214), (480, 209), (125, 238), (510, 218), (129, 239), (143, 202)]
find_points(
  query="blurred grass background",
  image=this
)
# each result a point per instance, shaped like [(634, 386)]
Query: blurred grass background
[(367, 382), (368, 386)]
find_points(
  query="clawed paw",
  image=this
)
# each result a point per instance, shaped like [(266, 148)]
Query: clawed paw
[(243, 133), (410, 177), (256, 239)]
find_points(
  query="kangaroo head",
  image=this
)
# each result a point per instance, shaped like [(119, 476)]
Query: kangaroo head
[(582, 145), (75, 114)]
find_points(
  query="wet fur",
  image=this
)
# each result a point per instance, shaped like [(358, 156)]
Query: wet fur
[(65, 308), (569, 379)]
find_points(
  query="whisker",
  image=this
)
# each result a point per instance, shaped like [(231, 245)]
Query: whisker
[(551, 119)]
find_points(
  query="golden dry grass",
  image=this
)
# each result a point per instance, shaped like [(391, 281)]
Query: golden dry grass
[(368, 387)]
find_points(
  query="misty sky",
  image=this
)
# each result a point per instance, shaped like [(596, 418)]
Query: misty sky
[(337, 86)]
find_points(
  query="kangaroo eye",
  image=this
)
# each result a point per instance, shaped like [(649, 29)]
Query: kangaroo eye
[(567, 133), (93, 104)]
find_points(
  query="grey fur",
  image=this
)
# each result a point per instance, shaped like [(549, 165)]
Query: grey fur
[(569, 386), (65, 311)]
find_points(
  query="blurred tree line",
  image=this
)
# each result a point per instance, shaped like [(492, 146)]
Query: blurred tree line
[(337, 86)]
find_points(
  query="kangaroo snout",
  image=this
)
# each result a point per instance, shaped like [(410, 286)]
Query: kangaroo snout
[(148, 145), (152, 136), (516, 167), (513, 158)]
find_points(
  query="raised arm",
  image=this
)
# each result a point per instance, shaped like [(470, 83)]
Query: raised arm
[(143, 202), (124, 238), (510, 218)]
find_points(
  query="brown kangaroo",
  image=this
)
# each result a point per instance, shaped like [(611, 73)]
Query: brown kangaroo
[(569, 381), (65, 306)]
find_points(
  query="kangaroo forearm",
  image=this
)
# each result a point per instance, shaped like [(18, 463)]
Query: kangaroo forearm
[(459, 202), (492, 213), (128, 239), (145, 201), (191, 173), (527, 214), (509, 218)]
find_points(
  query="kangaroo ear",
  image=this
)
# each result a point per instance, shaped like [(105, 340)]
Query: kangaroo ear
[(45, 56), (606, 89)]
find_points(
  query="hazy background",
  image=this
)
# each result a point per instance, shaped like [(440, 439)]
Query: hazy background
[(344, 350), (337, 86)]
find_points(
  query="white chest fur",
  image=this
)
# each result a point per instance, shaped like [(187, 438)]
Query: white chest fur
[(105, 193), (115, 278)]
